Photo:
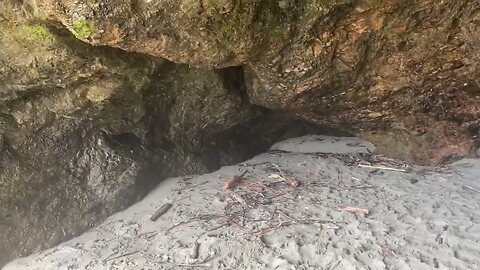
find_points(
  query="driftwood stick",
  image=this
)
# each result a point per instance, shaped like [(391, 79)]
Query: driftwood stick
[(161, 211)]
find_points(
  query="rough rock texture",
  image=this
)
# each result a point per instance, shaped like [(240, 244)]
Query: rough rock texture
[(204, 33), (381, 69), (60, 99), (384, 69), (86, 131)]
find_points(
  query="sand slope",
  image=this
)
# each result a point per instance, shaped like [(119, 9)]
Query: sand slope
[(418, 218)]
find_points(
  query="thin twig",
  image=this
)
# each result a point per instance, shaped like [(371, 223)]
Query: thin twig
[(254, 165), (382, 168), (120, 256), (285, 215), (270, 229), (148, 235), (289, 179), (238, 198), (212, 229), (200, 217), (316, 221), (471, 188), (190, 186), (192, 265), (279, 171)]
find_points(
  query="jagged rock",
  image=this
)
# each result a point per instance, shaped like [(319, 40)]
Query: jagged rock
[(402, 74), (86, 131), (379, 69), (204, 33), (59, 101)]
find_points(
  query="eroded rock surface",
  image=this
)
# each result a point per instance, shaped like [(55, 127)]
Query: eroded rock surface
[(202, 33), (85, 131), (382, 69), (60, 100)]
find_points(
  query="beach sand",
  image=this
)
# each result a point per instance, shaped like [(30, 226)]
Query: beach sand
[(314, 202)]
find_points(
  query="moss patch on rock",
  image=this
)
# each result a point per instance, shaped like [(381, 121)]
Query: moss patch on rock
[(83, 28), (37, 32)]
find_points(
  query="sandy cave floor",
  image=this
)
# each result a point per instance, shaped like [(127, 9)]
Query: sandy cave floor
[(342, 215)]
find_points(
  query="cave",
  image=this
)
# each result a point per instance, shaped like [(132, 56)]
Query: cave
[(101, 102)]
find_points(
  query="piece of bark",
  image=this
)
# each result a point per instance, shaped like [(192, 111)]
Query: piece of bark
[(232, 181), (292, 181), (356, 210)]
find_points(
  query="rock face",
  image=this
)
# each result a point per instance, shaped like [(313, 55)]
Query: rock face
[(86, 130), (59, 172), (381, 69), (203, 33)]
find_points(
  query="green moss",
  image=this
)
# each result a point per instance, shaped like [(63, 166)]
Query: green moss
[(375, 3), (232, 30), (82, 28), (37, 32), (244, 18)]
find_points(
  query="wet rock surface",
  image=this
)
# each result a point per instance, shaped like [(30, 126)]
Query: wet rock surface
[(86, 131), (378, 68), (60, 100)]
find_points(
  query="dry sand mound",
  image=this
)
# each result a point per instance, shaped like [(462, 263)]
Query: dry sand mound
[(309, 203)]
